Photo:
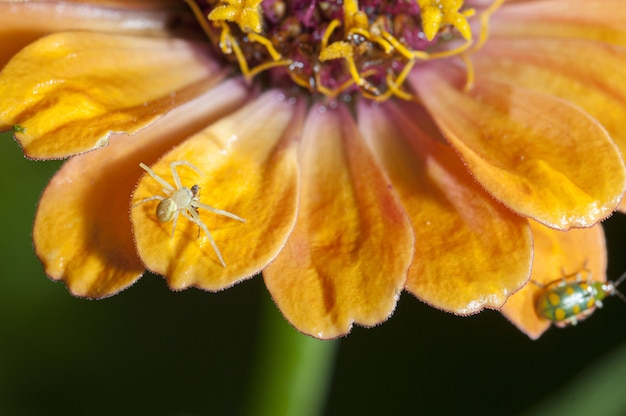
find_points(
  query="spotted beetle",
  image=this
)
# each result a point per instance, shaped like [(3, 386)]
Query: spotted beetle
[(565, 302)]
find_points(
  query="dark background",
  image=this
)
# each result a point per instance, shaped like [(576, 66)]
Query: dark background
[(152, 351)]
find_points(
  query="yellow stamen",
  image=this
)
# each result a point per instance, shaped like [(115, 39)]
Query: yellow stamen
[(247, 15), (268, 65), (228, 45), (373, 53), (344, 50), (332, 92), (354, 18), (267, 43), (334, 24), (394, 85), (226, 39), (304, 83), (387, 47), (484, 25), (201, 19), (394, 89)]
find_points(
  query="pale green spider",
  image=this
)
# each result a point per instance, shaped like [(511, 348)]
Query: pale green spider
[(183, 200)]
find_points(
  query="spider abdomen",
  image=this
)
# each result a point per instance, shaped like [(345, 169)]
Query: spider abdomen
[(166, 209)]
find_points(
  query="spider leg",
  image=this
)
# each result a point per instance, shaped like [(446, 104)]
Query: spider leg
[(216, 211), (541, 285), (197, 215), (157, 177), (173, 167), (152, 198), (174, 224), (192, 216)]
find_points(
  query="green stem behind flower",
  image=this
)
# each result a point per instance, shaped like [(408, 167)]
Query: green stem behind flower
[(293, 372), (599, 390)]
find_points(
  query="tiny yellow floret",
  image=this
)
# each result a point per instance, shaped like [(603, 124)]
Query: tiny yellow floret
[(353, 17), (438, 13), (245, 13), (377, 58)]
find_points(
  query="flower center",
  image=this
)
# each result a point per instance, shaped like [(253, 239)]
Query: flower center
[(341, 47)]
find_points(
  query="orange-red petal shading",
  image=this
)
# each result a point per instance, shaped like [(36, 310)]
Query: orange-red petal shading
[(530, 150), (249, 166), (573, 19), (82, 233), (554, 66), (347, 258), (556, 252), (70, 90), (470, 251)]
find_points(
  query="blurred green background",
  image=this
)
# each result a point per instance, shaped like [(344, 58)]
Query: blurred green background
[(152, 351)]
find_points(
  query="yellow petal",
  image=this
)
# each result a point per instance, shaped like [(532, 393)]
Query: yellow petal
[(347, 258), (470, 251), (249, 167), (23, 22), (554, 66), (71, 90), (556, 252), (576, 19), (538, 154), (82, 233)]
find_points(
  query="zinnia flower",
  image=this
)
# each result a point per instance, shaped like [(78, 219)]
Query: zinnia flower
[(346, 150)]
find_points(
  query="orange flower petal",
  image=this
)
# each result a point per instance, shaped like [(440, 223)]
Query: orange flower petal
[(554, 66), (531, 151), (556, 252), (82, 233), (470, 251), (347, 258), (581, 19), (130, 3), (249, 167), (23, 23), (100, 83)]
